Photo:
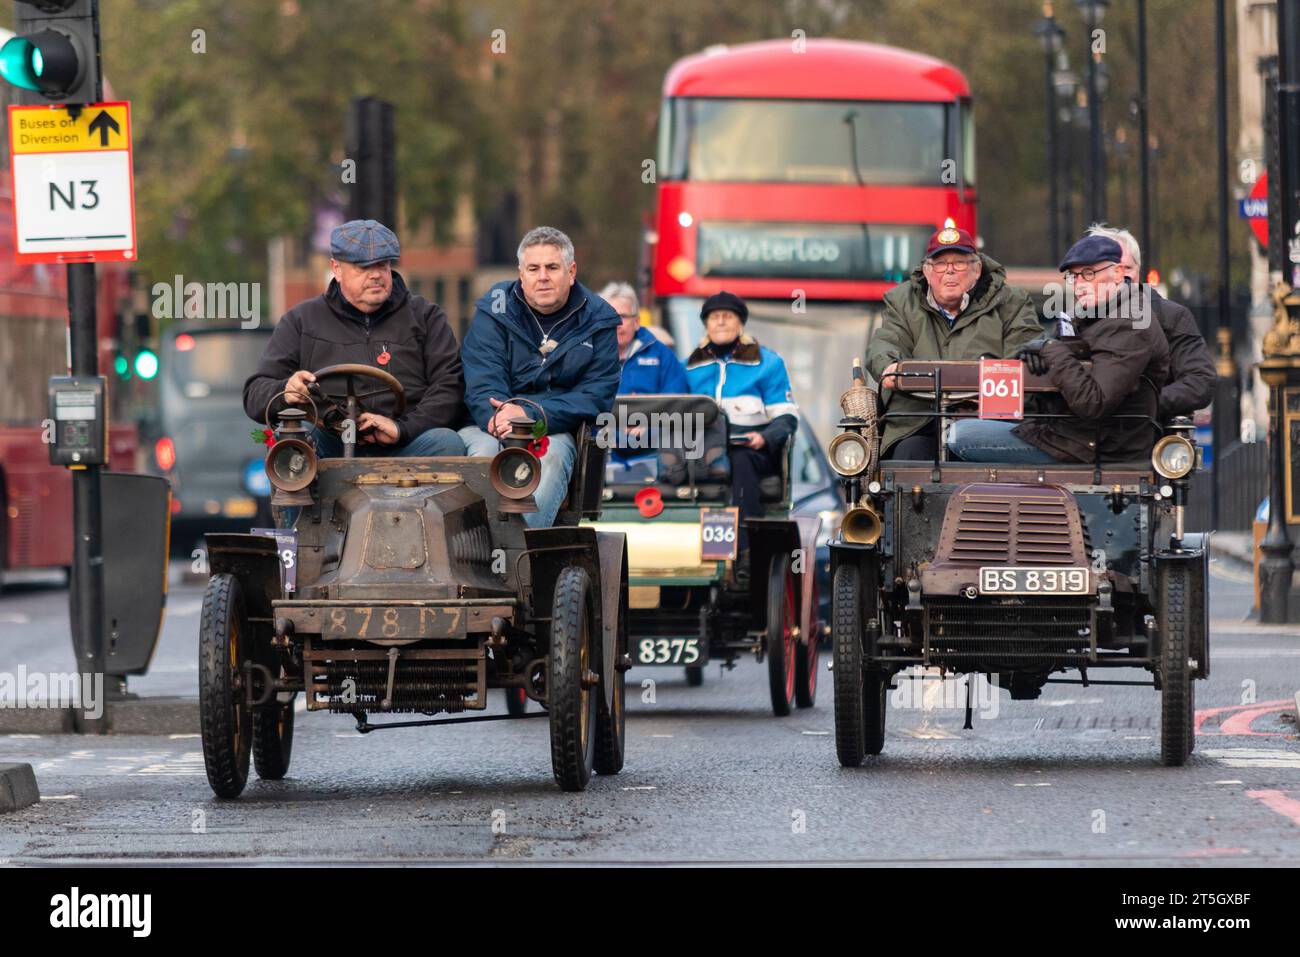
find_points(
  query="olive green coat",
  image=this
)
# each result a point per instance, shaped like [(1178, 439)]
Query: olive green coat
[(998, 320)]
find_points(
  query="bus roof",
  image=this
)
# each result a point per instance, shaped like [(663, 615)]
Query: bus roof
[(827, 70)]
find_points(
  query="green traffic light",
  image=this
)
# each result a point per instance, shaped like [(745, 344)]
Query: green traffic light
[(122, 367), (18, 63), (146, 364)]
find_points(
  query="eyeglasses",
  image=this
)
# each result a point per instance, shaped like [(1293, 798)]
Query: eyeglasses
[(1087, 275), (626, 316), (958, 267)]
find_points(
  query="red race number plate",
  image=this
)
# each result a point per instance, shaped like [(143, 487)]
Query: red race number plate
[(1002, 389)]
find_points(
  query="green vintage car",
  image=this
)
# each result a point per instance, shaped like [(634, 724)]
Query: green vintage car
[(694, 597)]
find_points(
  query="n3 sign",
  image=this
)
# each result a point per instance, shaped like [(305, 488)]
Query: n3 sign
[(1002, 389)]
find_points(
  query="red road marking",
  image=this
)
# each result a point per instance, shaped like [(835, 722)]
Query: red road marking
[(1277, 801), (1243, 716)]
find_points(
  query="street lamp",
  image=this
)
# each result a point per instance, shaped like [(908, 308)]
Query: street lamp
[(1052, 37), (1093, 11)]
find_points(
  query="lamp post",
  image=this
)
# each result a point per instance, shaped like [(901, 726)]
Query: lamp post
[(1052, 38), (1067, 88), (1144, 136), (1093, 11)]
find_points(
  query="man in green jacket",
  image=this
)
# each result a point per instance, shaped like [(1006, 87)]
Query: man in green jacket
[(956, 305)]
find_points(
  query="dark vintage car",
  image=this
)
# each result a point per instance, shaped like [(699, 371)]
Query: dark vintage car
[(1019, 572), (415, 588), (690, 607)]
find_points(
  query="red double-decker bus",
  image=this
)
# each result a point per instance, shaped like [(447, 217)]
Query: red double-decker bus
[(806, 178)]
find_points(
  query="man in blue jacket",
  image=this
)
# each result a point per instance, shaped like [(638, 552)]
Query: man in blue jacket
[(544, 337), (649, 366)]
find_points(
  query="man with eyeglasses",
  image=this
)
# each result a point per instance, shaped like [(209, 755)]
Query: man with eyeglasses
[(1113, 401), (956, 305)]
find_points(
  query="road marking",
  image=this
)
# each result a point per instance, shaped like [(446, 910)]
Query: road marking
[(1062, 702), (58, 797), (14, 618), (640, 787), (1254, 758), (22, 735), (1240, 718), (1243, 653), (928, 734), (661, 735), (815, 733), (1277, 801), (300, 705), (1229, 781), (1034, 784), (177, 737)]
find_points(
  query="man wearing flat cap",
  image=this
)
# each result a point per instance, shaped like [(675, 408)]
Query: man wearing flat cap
[(368, 316), (956, 305), (1114, 401)]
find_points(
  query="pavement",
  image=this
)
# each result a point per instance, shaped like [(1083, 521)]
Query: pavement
[(1070, 779)]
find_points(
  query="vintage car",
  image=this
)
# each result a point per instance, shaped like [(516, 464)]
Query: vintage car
[(694, 596), (1018, 572), (411, 585)]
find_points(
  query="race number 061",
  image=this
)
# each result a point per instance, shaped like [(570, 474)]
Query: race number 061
[(1002, 389)]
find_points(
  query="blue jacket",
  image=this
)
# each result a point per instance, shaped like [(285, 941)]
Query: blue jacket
[(751, 386), (574, 384), (651, 368)]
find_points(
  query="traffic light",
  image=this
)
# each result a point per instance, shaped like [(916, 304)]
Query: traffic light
[(146, 363), (55, 54)]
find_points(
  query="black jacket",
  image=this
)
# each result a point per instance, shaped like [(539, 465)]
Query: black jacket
[(326, 331), (1191, 370), (1130, 362)]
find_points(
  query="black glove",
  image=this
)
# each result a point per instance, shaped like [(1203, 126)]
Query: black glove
[(1031, 354)]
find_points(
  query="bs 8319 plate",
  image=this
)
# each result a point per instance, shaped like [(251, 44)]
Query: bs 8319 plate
[(998, 580)]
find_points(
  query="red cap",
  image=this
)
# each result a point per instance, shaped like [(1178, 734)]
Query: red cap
[(950, 238)]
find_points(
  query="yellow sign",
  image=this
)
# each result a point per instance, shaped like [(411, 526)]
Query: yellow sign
[(50, 129)]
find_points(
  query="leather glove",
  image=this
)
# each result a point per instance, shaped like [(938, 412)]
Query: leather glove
[(1031, 354)]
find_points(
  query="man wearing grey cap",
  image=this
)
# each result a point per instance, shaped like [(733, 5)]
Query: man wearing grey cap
[(1113, 402), (368, 316)]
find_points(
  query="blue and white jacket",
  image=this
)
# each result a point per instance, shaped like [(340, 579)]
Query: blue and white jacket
[(751, 385)]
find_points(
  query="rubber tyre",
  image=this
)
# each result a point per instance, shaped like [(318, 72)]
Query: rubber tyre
[(694, 676), (611, 722), (225, 720), (846, 637), (1176, 695), (273, 739), (572, 707), (516, 701), (781, 642), (808, 655)]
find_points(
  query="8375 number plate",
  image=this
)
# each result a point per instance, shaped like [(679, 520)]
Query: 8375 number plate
[(670, 651), (997, 580)]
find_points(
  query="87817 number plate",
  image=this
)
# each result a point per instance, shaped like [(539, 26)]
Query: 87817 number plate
[(999, 580)]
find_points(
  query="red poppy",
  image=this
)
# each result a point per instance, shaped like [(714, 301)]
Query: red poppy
[(539, 446)]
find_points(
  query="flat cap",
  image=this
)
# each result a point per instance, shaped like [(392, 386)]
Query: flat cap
[(364, 242), (1092, 249)]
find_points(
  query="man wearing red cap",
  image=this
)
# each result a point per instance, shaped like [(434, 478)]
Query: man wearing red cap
[(956, 305)]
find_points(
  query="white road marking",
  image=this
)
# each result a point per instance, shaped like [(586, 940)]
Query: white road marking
[(14, 618), (815, 733), (300, 705), (1061, 702), (177, 737), (1035, 784), (640, 787), (661, 735), (1229, 781), (22, 735), (1254, 758), (58, 797)]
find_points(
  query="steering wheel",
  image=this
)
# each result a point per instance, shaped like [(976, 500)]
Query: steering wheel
[(349, 401)]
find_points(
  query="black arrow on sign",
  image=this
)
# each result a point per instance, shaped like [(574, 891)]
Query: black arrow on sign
[(104, 122)]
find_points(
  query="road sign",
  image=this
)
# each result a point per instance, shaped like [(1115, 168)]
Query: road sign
[(1255, 209), (1002, 389), (74, 193)]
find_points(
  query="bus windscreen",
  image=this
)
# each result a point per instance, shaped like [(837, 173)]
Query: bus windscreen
[(805, 141)]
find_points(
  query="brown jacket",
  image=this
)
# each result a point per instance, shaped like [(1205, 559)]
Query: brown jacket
[(1130, 363)]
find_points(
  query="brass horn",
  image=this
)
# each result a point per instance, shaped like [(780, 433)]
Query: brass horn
[(861, 525)]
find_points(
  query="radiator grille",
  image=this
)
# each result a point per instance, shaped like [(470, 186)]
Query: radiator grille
[(1002, 632)]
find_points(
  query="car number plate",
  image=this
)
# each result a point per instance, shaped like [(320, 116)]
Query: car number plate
[(379, 621), (997, 580), (670, 651)]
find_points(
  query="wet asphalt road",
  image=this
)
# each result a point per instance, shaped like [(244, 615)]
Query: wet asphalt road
[(711, 776)]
